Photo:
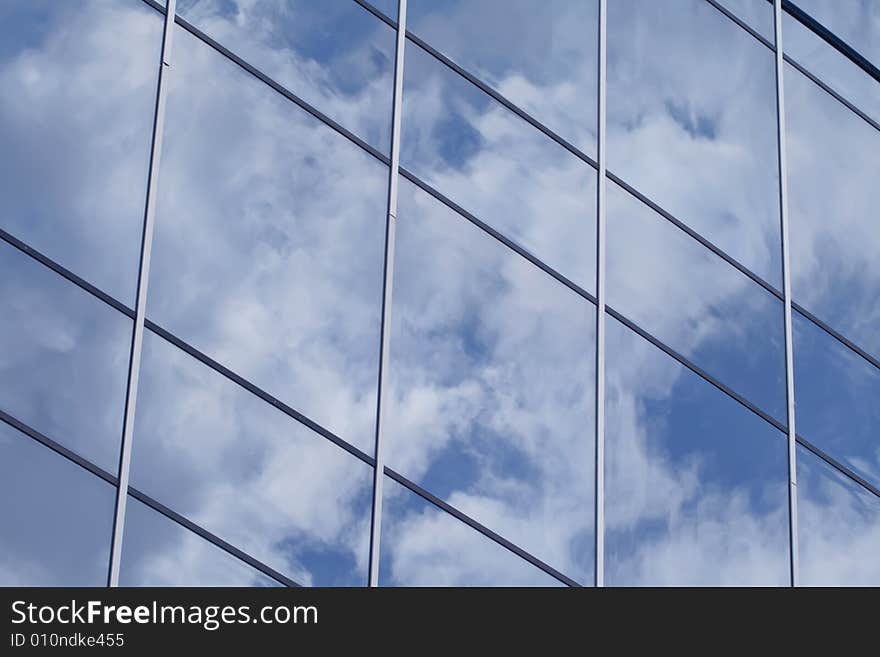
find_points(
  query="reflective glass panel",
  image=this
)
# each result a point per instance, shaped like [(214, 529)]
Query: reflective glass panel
[(695, 484), (248, 473), (159, 552), (63, 359), (498, 167), (335, 55), (857, 22), (837, 394), (46, 502), (838, 527), (674, 288), (830, 66), (387, 7), (757, 14), (269, 239), (424, 546), (491, 385), (692, 123), (541, 56), (76, 116), (833, 160)]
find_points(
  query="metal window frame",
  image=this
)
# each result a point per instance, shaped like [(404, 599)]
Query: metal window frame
[(147, 324), (141, 299), (794, 569), (387, 295), (599, 428), (830, 38)]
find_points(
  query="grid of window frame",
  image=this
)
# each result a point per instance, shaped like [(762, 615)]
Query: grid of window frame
[(119, 480)]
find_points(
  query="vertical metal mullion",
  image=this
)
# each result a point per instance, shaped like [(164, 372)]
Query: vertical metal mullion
[(387, 288), (140, 303), (599, 524), (786, 285)]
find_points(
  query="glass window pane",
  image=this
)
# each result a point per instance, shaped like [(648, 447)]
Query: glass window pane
[(692, 123), (757, 14), (837, 393), (491, 385), (695, 485), (63, 359), (424, 546), (334, 55), (550, 72), (76, 116), (269, 240), (387, 7), (686, 296), (46, 502), (248, 473), (498, 167), (856, 22), (838, 527), (830, 66), (833, 160), (159, 552)]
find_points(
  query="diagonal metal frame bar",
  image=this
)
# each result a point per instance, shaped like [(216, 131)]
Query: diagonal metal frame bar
[(154, 504), (510, 243), (157, 506), (831, 39), (99, 294)]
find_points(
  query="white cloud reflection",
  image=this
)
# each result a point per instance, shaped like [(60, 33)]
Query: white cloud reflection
[(268, 257)]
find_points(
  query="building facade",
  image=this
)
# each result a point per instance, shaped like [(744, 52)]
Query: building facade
[(329, 293)]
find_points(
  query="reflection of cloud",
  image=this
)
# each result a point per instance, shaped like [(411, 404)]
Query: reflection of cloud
[(47, 502), (75, 123), (857, 23), (335, 55), (482, 333), (248, 473), (839, 527), (159, 553), (63, 359), (551, 73), (268, 256), (268, 244), (462, 557), (691, 123), (833, 158)]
